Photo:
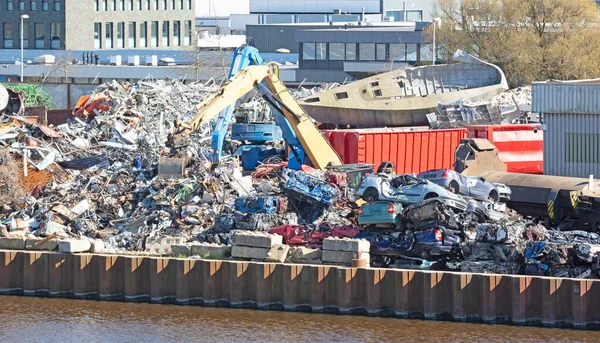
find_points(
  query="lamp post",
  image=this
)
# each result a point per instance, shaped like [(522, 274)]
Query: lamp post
[(23, 17), (436, 22)]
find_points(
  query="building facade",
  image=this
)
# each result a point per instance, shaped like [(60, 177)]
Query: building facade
[(97, 24)]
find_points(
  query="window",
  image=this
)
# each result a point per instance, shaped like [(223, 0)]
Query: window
[(187, 32), (377, 92), (131, 30), (308, 51), (109, 35), (105, 4), (425, 52), (154, 34), (39, 35), (122, 3), (21, 5), (55, 36), (180, 4), (350, 51), (321, 51), (165, 34), (25, 35), (33, 5), (9, 5), (131, 5), (341, 95), (148, 5), (189, 4), (143, 34), (398, 52), (45, 5), (139, 5), (582, 147), (176, 33), (165, 4), (97, 35), (8, 35), (57, 5), (96, 5), (411, 52), (120, 34), (172, 4), (336, 51), (156, 5), (366, 52), (380, 51), (113, 6)]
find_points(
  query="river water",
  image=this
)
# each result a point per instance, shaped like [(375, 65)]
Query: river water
[(24, 319)]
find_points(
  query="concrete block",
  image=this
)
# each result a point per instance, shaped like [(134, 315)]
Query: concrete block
[(249, 252), (97, 245), (256, 239), (74, 245), (346, 244), (278, 253), (162, 245), (304, 253), (16, 243), (48, 245), (210, 250), (181, 249), (344, 257)]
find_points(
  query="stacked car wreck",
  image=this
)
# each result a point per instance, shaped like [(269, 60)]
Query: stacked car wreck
[(133, 172)]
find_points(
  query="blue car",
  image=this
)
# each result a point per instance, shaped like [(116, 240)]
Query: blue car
[(380, 214)]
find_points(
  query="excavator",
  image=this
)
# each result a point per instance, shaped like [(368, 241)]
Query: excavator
[(305, 141)]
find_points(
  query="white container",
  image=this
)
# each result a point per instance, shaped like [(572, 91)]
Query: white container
[(151, 60), (115, 60), (133, 60)]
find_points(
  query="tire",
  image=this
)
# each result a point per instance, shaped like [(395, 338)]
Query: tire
[(453, 187), (370, 195), (494, 196), (430, 196)]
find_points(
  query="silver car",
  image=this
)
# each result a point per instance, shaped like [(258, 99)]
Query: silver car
[(472, 186), (406, 189)]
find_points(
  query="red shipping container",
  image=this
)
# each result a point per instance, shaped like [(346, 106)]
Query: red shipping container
[(520, 146), (413, 151)]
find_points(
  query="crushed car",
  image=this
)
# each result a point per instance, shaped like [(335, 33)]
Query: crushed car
[(380, 214), (406, 189), (475, 187)]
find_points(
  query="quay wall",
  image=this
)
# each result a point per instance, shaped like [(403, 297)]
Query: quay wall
[(501, 299)]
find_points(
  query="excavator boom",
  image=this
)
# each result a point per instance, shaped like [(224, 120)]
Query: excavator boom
[(316, 147)]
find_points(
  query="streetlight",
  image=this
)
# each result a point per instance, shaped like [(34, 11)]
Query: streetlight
[(24, 16), (436, 22)]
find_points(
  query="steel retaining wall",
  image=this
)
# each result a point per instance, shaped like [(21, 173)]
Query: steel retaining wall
[(502, 299)]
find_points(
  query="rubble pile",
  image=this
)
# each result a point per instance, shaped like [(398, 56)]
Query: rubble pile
[(520, 95)]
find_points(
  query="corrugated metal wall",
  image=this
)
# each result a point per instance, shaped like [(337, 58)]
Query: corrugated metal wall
[(268, 38), (575, 97), (572, 144)]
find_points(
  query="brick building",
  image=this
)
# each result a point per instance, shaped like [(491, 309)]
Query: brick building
[(97, 24)]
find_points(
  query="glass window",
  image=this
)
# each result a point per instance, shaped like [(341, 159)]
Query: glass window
[(97, 35), (176, 33), (187, 32), (105, 4), (139, 5), (366, 52), (55, 36), (165, 4), (8, 35), (120, 34), (21, 5), (321, 51), (56, 5), (114, 5), (165, 33), (39, 35), (172, 4), (131, 5), (154, 34), (25, 35), (398, 52), (131, 33), (9, 5), (308, 51), (336, 51), (180, 4), (189, 4), (33, 5), (122, 3), (109, 35), (411, 52), (45, 5), (380, 50), (350, 51), (143, 34), (96, 5), (425, 52), (156, 4), (148, 5)]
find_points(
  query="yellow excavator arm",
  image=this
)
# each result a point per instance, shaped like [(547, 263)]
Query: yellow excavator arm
[(317, 148)]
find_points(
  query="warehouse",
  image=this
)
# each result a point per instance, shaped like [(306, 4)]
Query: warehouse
[(571, 113)]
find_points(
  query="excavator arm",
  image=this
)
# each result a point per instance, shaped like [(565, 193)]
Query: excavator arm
[(263, 78)]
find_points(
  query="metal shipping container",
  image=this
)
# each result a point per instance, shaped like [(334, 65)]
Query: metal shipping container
[(521, 147), (413, 151)]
